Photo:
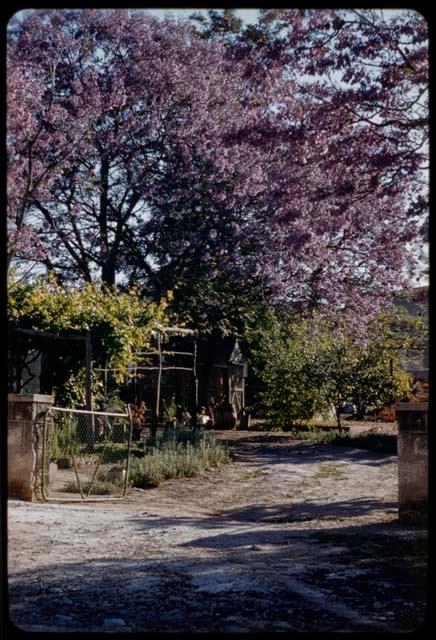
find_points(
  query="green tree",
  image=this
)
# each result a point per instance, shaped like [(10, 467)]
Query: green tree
[(310, 365), (365, 373), (283, 358)]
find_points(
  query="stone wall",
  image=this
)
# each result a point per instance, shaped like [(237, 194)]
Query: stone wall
[(412, 461), (25, 413)]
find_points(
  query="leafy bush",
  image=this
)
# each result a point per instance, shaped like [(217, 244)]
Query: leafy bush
[(169, 410), (121, 322), (291, 394), (72, 393), (99, 487), (65, 442), (311, 365)]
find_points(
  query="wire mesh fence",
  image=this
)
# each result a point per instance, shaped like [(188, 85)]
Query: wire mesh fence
[(85, 454)]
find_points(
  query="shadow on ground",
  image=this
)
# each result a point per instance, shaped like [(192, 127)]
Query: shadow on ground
[(243, 450), (351, 578), (285, 513)]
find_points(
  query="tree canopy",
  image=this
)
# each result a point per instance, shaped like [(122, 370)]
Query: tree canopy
[(274, 164)]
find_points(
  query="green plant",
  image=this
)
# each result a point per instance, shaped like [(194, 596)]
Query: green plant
[(282, 360), (99, 487), (72, 393), (112, 403), (179, 454), (65, 442), (169, 409), (310, 365)]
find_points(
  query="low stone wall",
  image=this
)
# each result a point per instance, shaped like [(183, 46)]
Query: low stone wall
[(412, 461), (25, 412)]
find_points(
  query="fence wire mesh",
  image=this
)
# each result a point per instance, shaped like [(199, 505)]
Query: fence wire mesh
[(85, 454)]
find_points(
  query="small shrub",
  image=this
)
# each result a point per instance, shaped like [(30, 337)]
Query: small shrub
[(99, 487), (177, 454), (65, 439)]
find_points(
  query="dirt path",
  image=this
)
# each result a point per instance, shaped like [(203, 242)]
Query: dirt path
[(290, 536)]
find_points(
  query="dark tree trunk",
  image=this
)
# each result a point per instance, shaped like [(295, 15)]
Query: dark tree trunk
[(207, 369), (360, 414), (108, 273), (338, 418)]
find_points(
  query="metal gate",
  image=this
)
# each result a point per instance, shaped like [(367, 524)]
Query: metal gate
[(85, 454)]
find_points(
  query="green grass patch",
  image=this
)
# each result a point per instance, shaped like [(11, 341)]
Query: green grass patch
[(252, 474), (329, 470), (175, 455), (114, 452), (99, 487)]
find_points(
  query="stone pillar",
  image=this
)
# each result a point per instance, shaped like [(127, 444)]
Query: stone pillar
[(25, 412), (412, 420)]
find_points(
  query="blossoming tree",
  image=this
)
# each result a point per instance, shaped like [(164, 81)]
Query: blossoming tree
[(288, 156)]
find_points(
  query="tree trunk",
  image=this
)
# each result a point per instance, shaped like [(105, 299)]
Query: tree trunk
[(206, 374), (360, 414), (108, 272), (338, 417)]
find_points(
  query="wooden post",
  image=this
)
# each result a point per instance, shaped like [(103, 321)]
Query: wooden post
[(155, 413), (159, 375), (88, 357), (194, 370)]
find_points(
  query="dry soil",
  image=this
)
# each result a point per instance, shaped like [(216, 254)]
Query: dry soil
[(290, 536)]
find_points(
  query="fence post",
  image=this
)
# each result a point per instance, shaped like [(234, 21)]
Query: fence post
[(195, 407), (89, 403), (25, 413)]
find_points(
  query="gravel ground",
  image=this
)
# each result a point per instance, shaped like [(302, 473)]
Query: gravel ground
[(290, 536)]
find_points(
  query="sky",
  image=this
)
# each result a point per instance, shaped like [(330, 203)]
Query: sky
[(247, 15)]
